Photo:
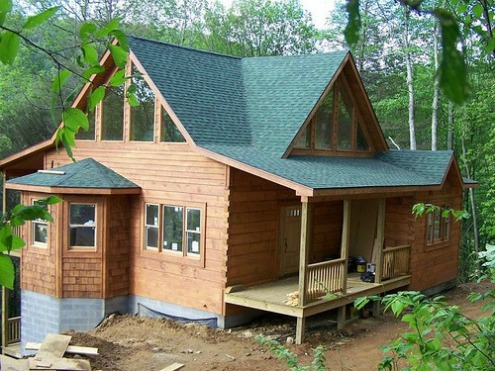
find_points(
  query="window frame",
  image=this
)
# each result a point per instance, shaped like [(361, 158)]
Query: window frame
[(95, 226), (32, 229), (180, 255), (438, 228), (338, 89)]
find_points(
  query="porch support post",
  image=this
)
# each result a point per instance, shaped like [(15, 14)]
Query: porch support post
[(380, 232), (341, 317), (5, 297), (303, 262), (345, 241)]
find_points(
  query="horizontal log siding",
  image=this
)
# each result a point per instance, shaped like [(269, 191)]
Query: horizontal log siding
[(167, 174), (38, 267), (433, 265), (254, 217), (399, 222), (327, 231)]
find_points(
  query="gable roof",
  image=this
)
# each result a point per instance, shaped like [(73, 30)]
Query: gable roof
[(85, 175), (246, 112)]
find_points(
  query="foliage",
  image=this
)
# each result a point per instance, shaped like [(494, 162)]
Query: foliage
[(421, 209), (9, 240), (12, 34), (290, 359), (440, 336)]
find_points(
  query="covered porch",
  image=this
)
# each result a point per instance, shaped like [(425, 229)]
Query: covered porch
[(327, 285)]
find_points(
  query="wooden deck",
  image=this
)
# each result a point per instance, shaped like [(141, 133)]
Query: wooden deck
[(271, 297)]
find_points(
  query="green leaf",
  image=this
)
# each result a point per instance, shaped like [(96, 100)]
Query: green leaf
[(74, 118), (50, 200), (95, 97), (122, 38), (351, 32), (60, 80), (452, 71), (5, 8), (109, 27), (90, 54), (9, 47), (7, 272), (118, 78), (8, 241), (132, 99), (119, 55), (87, 29), (93, 71), (40, 18), (478, 10)]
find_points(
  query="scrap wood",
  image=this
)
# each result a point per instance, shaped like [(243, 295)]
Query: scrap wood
[(54, 346), (71, 349), (292, 299), (67, 364), (12, 364), (173, 367)]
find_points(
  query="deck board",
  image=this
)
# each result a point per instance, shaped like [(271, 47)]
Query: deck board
[(271, 296)]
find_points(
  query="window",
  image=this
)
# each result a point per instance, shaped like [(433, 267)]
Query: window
[(90, 134), (82, 225), (180, 230), (39, 231), (168, 130), (112, 118), (151, 226), (336, 124), (142, 116), (438, 226)]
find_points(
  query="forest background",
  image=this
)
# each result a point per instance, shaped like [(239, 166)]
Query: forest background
[(398, 51)]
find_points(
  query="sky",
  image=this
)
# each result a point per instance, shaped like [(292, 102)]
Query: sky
[(319, 9)]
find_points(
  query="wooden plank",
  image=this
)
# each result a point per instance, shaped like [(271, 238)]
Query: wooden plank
[(12, 364), (304, 252), (300, 329), (346, 238), (380, 233), (54, 346), (173, 367), (71, 349), (63, 364)]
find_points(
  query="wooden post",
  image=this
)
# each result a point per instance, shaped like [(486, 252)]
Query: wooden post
[(341, 317), (380, 231), (5, 311), (346, 237), (303, 263)]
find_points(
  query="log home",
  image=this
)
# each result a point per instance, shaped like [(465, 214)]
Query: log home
[(235, 182)]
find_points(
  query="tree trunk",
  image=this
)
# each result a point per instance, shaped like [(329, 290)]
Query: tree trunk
[(472, 203), (450, 128), (410, 85), (436, 93)]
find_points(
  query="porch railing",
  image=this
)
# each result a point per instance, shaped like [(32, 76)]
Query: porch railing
[(13, 330), (325, 277), (395, 261)]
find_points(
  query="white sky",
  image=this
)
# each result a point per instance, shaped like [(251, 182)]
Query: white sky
[(319, 9)]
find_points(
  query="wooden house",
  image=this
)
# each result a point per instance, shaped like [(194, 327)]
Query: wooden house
[(236, 181)]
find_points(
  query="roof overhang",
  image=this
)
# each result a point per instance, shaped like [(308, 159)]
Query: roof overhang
[(71, 190)]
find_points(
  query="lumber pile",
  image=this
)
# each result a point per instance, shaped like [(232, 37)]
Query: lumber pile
[(50, 356)]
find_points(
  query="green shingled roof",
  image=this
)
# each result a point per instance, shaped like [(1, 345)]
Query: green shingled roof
[(86, 173), (250, 109)]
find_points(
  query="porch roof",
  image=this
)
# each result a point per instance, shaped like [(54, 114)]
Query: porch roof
[(387, 169), (84, 174)]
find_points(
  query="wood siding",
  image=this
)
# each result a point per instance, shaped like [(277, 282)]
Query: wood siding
[(327, 231), (168, 174), (254, 211), (38, 265)]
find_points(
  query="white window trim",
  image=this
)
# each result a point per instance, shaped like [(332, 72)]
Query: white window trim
[(94, 225)]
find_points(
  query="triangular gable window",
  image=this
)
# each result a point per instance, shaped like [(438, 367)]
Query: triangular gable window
[(112, 116), (336, 125), (142, 120), (168, 130)]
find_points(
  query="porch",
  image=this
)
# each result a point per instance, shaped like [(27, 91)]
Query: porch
[(328, 287)]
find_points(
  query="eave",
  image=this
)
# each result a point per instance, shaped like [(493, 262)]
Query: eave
[(71, 190)]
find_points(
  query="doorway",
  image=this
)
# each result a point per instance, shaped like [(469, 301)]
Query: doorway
[(290, 240)]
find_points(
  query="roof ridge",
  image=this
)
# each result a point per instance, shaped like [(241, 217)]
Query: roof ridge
[(185, 47)]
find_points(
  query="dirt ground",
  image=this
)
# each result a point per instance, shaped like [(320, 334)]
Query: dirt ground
[(128, 343)]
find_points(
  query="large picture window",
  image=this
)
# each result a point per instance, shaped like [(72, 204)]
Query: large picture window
[(143, 115), (179, 228), (112, 117), (82, 225)]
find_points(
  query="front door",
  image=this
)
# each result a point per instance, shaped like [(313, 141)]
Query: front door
[(290, 239)]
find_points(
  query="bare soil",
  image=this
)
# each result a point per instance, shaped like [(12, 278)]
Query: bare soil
[(128, 343)]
